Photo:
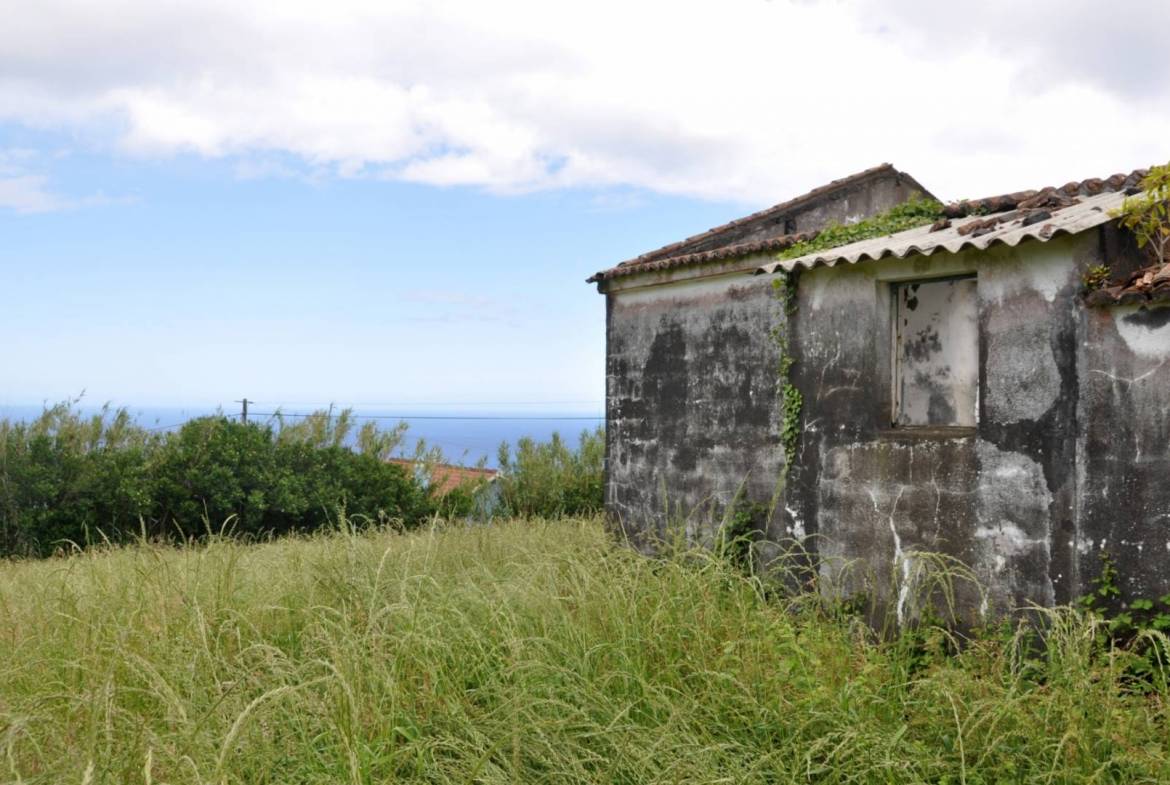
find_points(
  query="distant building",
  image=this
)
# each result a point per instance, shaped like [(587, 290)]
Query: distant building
[(443, 478), (959, 393)]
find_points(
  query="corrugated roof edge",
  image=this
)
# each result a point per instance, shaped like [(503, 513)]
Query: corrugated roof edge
[(1039, 214), (674, 255)]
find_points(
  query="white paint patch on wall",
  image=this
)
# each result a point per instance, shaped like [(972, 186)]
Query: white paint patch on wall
[(831, 287), (1143, 340), (684, 290), (1013, 523), (1005, 539), (1046, 268)]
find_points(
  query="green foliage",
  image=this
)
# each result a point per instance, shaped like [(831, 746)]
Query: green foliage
[(1096, 277), (527, 651), (791, 400), (70, 479), (742, 525), (550, 479), (1148, 215), (67, 479), (1137, 628), (908, 215), (215, 470)]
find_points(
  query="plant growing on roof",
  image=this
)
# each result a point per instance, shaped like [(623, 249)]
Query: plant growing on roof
[(899, 218), (1147, 215), (1096, 277)]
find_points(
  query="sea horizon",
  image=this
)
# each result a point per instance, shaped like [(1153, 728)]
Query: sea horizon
[(466, 434)]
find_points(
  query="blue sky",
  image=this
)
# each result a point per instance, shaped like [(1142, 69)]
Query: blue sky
[(374, 202), (177, 281)]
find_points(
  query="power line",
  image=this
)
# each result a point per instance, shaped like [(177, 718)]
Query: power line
[(436, 416), (375, 405), (167, 427)]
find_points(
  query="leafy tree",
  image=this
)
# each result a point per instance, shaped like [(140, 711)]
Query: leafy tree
[(1148, 215), (213, 471), (69, 478), (551, 479)]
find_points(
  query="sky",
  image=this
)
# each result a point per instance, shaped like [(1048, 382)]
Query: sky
[(384, 202)]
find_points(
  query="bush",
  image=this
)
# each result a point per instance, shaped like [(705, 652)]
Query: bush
[(70, 479), (214, 470), (67, 478), (549, 479)]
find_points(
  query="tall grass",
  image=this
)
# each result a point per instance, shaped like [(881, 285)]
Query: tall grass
[(534, 652)]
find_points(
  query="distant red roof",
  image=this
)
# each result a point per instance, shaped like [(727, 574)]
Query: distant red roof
[(446, 477)]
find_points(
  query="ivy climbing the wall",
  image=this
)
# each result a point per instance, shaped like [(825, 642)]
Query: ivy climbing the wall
[(908, 215), (791, 401)]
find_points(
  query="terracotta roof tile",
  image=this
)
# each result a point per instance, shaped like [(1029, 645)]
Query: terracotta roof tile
[(446, 477), (1029, 207), (1050, 196), (716, 254), (1149, 284), (677, 254)]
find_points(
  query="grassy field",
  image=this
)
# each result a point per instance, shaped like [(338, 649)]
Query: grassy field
[(525, 652)]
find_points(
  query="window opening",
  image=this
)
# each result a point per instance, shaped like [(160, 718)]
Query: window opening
[(936, 353)]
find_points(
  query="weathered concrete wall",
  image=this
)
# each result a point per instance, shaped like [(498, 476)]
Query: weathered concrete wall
[(691, 399), (992, 496), (1069, 456), (691, 382), (1124, 447)]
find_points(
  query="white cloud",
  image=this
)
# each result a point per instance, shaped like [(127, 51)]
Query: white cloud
[(23, 190), (744, 99), (28, 194)]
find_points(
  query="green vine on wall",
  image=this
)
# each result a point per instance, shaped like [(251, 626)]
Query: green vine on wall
[(908, 215), (791, 401)]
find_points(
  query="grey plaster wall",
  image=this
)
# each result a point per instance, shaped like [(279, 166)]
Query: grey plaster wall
[(1069, 457), (691, 398), (992, 497), (1124, 447)]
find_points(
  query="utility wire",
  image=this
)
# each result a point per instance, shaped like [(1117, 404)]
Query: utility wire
[(388, 404), (434, 416), (167, 427)]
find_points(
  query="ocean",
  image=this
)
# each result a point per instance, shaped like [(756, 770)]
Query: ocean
[(465, 436)]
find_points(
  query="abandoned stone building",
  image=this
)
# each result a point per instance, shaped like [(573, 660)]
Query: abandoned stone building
[(958, 392)]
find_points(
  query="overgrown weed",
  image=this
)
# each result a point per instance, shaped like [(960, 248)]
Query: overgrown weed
[(523, 652)]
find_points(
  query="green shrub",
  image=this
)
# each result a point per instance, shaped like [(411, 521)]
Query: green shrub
[(550, 479), (69, 478), (66, 478), (212, 471)]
